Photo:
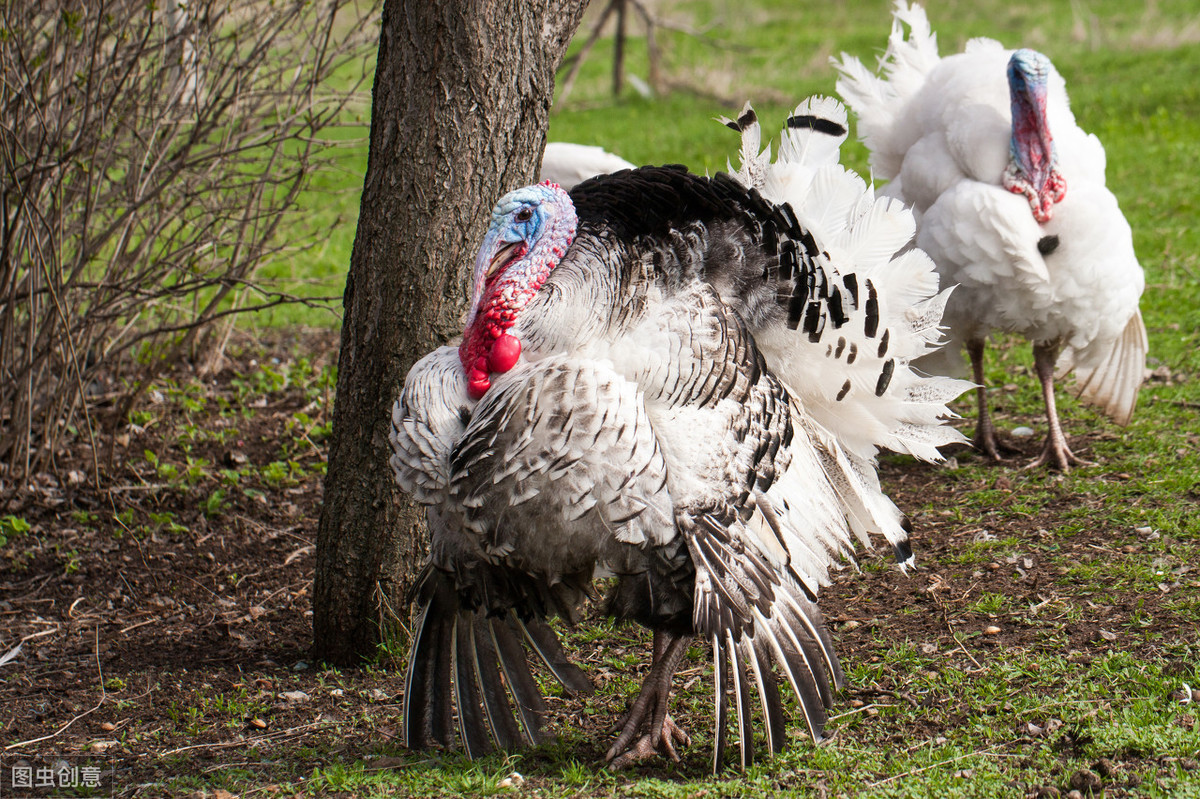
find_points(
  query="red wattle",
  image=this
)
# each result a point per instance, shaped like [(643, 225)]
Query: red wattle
[(477, 388), (477, 383), (505, 351)]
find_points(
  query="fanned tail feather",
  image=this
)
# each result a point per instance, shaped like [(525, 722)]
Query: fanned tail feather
[(854, 373), (757, 618), (1112, 385), (752, 163), (814, 132), (465, 663), (879, 100)]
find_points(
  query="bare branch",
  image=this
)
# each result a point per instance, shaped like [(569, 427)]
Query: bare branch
[(149, 157)]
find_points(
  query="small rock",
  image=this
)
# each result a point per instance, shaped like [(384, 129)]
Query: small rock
[(1074, 795), (1107, 636), (234, 458), (991, 629), (853, 624), (1085, 781), (102, 746), (300, 666), (337, 692), (262, 725), (1022, 432), (514, 780), (108, 726), (295, 696), (378, 695), (1143, 530)]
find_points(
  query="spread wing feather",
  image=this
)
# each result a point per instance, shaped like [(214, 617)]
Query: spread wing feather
[(709, 372)]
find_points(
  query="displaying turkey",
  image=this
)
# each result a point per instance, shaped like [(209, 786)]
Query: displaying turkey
[(679, 382), (568, 164), (1012, 206)]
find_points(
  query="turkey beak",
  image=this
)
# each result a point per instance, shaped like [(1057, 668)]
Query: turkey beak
[(488, 262), (501, 257)]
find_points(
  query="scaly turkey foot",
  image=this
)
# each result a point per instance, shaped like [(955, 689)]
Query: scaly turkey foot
[(651, 706), (662, 741), (985, 431), (986, 443), (1057, 455)]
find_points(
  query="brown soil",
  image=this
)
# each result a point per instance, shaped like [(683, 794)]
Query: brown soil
[(175, 648)]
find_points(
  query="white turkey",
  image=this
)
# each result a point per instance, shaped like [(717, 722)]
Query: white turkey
[(568, 164), (1011, 204), (679, 382)]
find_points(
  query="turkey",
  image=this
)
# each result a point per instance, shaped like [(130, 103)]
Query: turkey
[(1011, 203), (567, 164), (680, 383)]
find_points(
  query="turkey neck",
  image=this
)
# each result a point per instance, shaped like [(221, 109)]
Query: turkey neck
[(1033, 160), (487, 346)]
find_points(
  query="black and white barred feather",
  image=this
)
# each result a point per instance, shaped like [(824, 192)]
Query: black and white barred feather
[(706, 376)]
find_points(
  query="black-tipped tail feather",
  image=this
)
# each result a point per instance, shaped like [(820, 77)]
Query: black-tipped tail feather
[(758, 619), (467, 664)]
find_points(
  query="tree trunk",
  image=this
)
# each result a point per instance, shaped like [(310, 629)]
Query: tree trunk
[(460, 108)]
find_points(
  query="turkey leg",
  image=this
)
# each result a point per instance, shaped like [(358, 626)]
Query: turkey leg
[(985, 432), (652, 704), (1055, 452)]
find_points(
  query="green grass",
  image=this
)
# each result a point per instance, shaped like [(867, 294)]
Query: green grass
[(1131, 72)]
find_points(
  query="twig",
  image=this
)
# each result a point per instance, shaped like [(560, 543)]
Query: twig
[(1179, 403), (950, 628), (63, 728), (859, 710), (31, 636), (978, 753), (252, 741), (569, 81), (141, 624), (1042, 707)]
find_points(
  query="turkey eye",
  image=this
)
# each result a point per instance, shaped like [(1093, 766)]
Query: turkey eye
[(524, 215)]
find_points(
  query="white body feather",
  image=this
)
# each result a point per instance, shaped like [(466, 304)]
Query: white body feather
[(939, 130), (836, 377), (567, 164)]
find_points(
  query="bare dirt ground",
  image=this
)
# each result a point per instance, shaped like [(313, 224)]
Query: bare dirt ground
[(170, 643)]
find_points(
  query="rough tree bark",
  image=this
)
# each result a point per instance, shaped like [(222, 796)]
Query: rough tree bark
[(461, 103)]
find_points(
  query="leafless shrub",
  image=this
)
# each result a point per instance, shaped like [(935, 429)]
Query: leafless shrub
[(148, 155)]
